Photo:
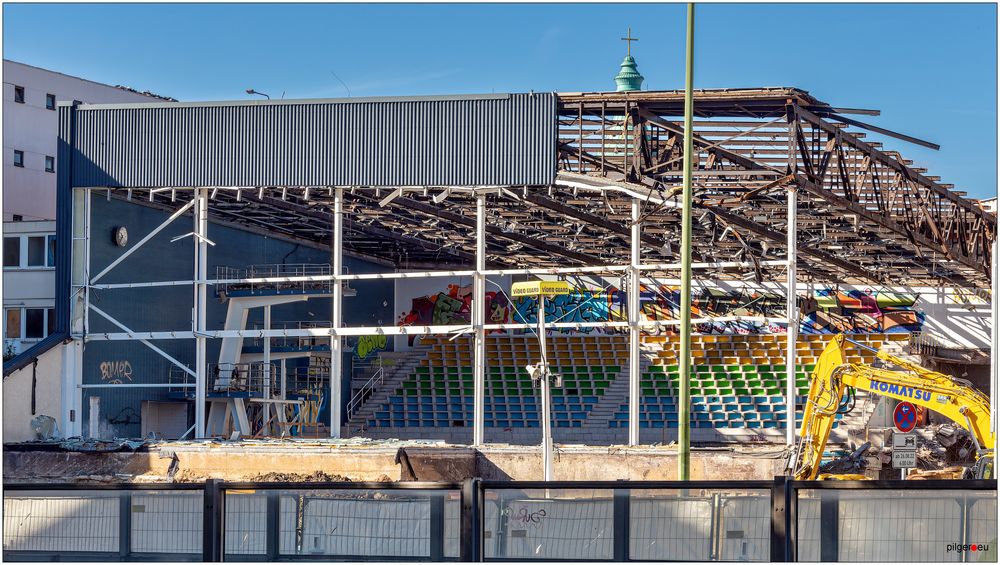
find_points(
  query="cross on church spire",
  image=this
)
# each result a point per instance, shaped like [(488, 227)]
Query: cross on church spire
[(629, 39)]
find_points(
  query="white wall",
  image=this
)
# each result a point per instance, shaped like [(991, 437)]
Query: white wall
[(30, 127), (17, 414)]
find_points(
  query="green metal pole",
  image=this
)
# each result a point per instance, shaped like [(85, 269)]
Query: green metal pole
[(684, 409)]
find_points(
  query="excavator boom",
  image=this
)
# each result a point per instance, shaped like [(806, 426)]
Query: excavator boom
[(954, 398)]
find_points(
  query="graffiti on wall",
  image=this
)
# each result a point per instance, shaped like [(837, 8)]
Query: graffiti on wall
[(454, 307), (368, 344), (116, 372), (824, 311), (860, 311), (580, 305)]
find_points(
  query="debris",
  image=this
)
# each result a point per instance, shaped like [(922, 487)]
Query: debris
[(44, 426), (929, 474), (851, 463), (314, 477)]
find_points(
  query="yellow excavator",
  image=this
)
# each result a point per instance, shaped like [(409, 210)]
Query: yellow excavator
[(833, 376)]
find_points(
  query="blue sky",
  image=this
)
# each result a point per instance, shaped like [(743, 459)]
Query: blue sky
[(930, 68)]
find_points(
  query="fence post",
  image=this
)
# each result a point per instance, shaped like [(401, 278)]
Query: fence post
[(124, 524), (829, 531), (780, 547), (212, 522), (621, 524), (471, 541), (437, 526), (273, 533)]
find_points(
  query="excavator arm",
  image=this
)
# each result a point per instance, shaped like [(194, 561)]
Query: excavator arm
[(954, 398)]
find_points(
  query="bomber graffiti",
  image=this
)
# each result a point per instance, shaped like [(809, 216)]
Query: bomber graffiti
[(116, 372), (825, 311)]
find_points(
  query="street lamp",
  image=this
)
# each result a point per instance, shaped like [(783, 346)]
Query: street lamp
[(540, 370), (251, 92)]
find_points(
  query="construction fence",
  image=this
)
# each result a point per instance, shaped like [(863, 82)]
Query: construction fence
[(924, 521)]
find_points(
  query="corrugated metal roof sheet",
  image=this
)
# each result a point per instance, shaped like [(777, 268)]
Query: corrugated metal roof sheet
[(507, 139)]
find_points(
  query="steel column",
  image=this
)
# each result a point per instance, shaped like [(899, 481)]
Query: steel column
[(546, 394), (200, 306), (634, 375), (995, 345), (684, 400), (478, 321), (336, 355), (792, 314), (266, 408)]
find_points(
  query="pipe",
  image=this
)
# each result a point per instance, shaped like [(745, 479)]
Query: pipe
[(684, 402)]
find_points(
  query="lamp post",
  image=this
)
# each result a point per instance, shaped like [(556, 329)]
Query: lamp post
[(251, 92), (540, 371)]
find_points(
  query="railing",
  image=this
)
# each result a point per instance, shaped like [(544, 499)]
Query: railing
[(286, 341), (273, 271), (377, 372), (505, 521)]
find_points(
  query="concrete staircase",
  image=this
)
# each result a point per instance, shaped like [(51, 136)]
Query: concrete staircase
[(614, 396), (397, 366)]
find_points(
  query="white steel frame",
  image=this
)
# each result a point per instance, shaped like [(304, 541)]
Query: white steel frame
[(200, 202)]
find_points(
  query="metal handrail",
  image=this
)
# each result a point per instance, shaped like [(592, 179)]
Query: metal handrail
[(273, 270), (377, 378)]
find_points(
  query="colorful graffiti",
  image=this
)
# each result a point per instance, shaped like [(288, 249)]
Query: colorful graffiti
[(580, 305), (860, 311), (454, 307), (825, 311), (368, 344)]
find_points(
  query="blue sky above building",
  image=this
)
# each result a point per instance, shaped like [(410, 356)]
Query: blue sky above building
[(930, 68)]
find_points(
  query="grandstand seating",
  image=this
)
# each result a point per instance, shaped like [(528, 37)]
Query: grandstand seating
[(439, 392), (738, 381)]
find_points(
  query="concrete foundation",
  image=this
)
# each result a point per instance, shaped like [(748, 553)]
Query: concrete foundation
[(378, 461)]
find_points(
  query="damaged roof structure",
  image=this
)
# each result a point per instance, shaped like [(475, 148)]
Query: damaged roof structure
[(865, 214)]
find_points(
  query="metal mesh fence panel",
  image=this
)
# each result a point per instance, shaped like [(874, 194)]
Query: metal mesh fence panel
[(45, 522), (394, 528), (745, 528), (167, 522), (982, 528), (246, 523), (491, 527), (807, 529), (362, 523), (670, 528), (884, 525), (452, 526), (562, 525)]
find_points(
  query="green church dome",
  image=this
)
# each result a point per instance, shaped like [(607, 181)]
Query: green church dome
[(628, 77)]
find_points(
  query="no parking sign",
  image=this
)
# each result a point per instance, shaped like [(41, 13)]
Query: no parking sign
[(905, 417)]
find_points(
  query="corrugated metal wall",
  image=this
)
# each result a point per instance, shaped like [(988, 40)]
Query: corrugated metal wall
[(507, 139)]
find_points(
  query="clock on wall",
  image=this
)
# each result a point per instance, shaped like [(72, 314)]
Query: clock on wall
[(120, 236)]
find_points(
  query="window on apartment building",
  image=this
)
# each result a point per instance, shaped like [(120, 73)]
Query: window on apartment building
[(12, 252), (50, 259), (19, 94), (18, 218), (36, 251), (12, 323), (50, 101), (34, 323), (50, 321), (50, 164), (18, 158)]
